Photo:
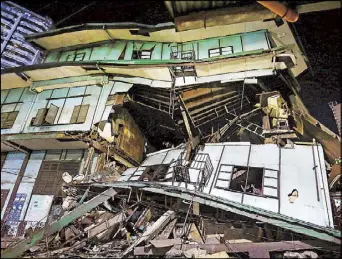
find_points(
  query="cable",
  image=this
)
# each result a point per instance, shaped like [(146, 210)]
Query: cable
[(46, 6), (66, 18)]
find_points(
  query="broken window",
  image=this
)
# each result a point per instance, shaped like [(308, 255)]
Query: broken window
[(141, 54), (244, 179), (220, 51), (45, 116), (65, 106), (247, 179), (79, 114)]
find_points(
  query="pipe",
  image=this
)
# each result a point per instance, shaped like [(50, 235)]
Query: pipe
[(280, 9)]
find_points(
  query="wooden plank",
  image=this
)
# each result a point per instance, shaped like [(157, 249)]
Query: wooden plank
[(167, 231), (82, 116), (106, 225), (75, 113), (51, 114), (39, 119), (151, 232)]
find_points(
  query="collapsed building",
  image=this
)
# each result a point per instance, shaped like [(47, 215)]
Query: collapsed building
[(178, 137)]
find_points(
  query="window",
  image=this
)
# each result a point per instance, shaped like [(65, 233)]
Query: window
[(8, 119), (11, 102), (75, 55), (253, 180), (79, 56), (65, 106), (220, 51), (141, 54), (79, 114), (139, 32), (46, 116)]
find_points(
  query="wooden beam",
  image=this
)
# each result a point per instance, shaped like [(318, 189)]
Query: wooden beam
[(319, 6), (151, 232), (223, 16)]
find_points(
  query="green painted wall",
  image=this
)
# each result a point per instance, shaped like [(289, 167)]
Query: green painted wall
[(161, 51)]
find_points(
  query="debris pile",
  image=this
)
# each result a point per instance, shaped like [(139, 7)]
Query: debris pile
[(103, 222)]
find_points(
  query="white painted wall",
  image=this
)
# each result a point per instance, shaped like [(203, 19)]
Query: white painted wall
[(38, 210), (9, 174), (28, 99), (296, 172), (29, 179)]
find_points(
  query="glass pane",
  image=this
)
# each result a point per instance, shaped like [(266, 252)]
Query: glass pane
[(212, 51), (8, 107), (67, 55), (271, 182), (68, 109), (225, 176), (270, 192), (226, 168), (4, 95), (53, 154), (254, 41), (75, 91), (59, 103), (14, 95), (27, 95), (222, 184), (271, 173), (18, 107), (227, 50), (79, 56), (60, 93), (74, 154)]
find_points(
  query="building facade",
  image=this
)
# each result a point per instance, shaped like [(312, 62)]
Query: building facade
[(115, 92), (16, 22)]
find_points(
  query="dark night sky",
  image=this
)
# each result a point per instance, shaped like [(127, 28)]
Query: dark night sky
[(319, 33)]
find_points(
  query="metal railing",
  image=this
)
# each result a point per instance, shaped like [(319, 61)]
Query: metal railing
[(200, 162)]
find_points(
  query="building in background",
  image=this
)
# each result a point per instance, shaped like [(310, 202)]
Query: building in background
[(16, 22)]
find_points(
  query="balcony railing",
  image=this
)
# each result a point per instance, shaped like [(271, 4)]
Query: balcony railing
[(201, 163)]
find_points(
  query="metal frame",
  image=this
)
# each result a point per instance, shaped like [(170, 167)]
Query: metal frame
[(205, 171), (220, 51)]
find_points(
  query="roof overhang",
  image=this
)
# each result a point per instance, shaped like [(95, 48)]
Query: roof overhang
[(153, 70)]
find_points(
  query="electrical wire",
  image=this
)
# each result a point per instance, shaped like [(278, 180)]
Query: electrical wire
[(80, 10)]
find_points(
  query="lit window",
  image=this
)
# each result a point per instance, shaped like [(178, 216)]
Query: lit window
[(141, 54)]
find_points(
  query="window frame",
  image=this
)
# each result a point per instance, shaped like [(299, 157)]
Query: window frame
[(5, 121), (138, 53), (220, 51), (73, 57), (62, 107), (19, 102), (228, 188)]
